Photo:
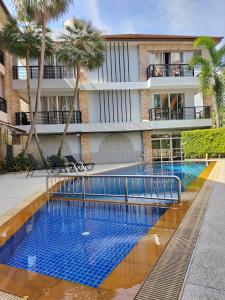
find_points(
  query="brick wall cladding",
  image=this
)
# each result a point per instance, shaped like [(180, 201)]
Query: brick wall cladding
[(86, 147), (83, 102), (147, 144), (11, 96)]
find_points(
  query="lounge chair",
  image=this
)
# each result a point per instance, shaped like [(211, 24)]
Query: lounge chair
[(57, 168), (81, 165)]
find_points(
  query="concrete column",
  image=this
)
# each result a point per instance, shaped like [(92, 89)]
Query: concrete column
[(147, 145), (86, 147)]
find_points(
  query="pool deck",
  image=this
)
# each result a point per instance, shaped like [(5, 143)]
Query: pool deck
[(206, 275), (15, 187)]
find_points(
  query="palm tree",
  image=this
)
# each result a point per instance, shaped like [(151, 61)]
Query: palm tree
[(212, 82), (22, 38), (41, 11), (82, 47)]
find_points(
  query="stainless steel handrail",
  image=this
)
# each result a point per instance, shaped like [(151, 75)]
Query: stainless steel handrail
[(161, 187)]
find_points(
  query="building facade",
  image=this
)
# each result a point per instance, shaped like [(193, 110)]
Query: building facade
[(137, 103), (9, 98)]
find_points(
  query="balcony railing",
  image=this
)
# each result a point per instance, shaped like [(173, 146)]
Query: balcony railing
[(181, 113), (169, 70), (50, 72), (1, 58), (3, 106), (48, 117)]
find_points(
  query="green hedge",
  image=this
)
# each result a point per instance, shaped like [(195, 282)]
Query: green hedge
[(198, 143)]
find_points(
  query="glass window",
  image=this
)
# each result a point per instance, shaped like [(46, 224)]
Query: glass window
[(161, 101), (155, 144)]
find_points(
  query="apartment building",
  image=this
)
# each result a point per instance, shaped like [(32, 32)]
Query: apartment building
[(9, 99), (138, 102)]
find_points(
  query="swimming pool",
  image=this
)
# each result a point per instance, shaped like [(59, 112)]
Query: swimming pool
[(83, 242), (78, 241), (142, 189)]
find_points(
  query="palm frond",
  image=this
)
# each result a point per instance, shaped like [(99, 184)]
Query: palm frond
[(35, 9), (81, 45)]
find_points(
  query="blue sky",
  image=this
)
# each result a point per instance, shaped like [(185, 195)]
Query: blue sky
[(194, 17)]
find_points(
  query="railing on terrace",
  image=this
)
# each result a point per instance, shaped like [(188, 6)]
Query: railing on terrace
[(169, 70), (48, 117), (111, 187), (181, 113), (50, 72), (3, 105), (1, 57)]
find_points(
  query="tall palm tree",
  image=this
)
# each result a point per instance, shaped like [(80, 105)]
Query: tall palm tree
[(41, 11), (22, 37), (212, 82), (82, 47)]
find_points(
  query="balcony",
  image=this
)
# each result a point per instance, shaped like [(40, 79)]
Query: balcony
[(170, 70), (181, 113), (48, 117), (3, 106), (50, 72)]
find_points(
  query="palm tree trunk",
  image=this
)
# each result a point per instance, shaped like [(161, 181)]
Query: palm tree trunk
[(217, 117), (38, 94), (27, 145), (75, 98)]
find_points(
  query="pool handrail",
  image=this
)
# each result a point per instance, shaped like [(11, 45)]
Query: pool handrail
[(61, 181)]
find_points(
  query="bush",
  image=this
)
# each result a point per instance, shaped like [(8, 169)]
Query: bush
[(198, 143), (15, 164), (55, 161)]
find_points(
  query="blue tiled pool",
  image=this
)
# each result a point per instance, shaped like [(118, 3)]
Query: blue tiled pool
[(78, 241), (84, 241), (186, 171)]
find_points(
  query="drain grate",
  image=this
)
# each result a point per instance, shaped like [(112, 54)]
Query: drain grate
[(166, 279), (7, 296)]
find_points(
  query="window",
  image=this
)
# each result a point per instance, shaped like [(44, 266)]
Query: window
[(174, 100)]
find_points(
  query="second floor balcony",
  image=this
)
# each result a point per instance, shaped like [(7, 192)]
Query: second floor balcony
[(48, 117), (170, 70), (50, 72), (180, 113), (3, 105)]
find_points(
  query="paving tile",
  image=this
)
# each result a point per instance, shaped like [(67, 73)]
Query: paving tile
[(197, 292)]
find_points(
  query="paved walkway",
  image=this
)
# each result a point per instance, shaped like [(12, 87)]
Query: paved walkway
[(15, 187), (206, 276)]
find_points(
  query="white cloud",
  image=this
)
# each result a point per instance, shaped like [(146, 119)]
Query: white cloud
[(92, 9), (194, 17)]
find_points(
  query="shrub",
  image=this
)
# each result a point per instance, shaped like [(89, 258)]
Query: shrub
[(55, 160), (198, 143), (15, 164)]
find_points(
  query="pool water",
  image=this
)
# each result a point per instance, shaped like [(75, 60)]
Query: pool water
[(78, 241), (187, 171), (113, 189), (83, 242)]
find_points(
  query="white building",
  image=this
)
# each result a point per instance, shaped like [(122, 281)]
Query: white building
[(138, 102)]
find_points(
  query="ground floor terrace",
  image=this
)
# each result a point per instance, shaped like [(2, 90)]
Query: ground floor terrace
[(116, 147), (181, 255)]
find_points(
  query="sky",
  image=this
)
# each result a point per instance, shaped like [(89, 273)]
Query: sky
[(184, 17)]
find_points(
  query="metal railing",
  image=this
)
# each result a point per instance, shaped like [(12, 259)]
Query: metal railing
[(48, 117), (3, 105), (127, 187), (1, 57), (50, 72), (169, 70), (181, 113)]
